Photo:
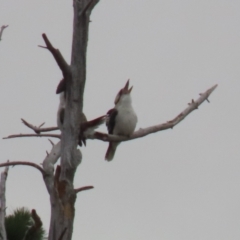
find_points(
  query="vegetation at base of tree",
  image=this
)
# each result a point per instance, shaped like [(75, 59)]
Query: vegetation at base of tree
[(24, 224)]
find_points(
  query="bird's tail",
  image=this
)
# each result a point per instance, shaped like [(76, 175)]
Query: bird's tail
[(93, 124), (111, 150), (88, 128)]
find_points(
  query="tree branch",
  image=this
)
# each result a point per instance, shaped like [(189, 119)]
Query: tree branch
[(23, 163), (1, 31), (193, 105), (58, 56), (88, 8), (92, 4), (153, 129), (51, 158), (39, 129), (33, 135), (77, 190)]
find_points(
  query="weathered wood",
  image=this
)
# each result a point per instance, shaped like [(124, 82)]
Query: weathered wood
[(63, 195), (3, 235)]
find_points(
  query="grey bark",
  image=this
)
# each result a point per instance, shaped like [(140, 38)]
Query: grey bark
[(3, 235), (60, 186)]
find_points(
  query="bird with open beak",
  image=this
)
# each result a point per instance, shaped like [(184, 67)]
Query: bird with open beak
[(121, 120)]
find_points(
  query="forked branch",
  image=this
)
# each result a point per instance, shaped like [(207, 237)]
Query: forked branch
[(38, 129)]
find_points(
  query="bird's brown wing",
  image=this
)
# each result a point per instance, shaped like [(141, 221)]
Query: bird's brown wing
[(111, 117)]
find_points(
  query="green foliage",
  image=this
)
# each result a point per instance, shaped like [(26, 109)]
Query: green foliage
[(20, 225)]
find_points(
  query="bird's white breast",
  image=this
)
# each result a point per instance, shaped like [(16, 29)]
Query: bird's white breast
[(126, 121)]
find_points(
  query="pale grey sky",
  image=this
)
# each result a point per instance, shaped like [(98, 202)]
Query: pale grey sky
[(180, 184)]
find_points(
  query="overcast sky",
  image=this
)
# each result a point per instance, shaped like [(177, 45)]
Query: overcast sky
[(180, 184)]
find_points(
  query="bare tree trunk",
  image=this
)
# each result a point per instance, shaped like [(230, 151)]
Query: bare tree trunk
[(3, 235), (61, 189)]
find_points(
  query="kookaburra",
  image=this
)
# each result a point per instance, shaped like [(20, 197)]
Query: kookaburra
[(121, 120), (87, 128)]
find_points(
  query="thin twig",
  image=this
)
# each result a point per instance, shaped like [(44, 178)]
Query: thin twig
[(39, 129), (33, 135), (1, 31), (77, 190), (23, 163)]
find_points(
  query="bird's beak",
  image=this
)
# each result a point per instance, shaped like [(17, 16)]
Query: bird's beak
[(129, 90), (125, 89)]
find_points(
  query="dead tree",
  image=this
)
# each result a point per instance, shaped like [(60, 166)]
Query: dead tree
[(60, 186), (59, 180), (4, 174)]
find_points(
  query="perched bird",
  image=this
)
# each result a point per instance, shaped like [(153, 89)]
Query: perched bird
[(121, 120), (87, 128)]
